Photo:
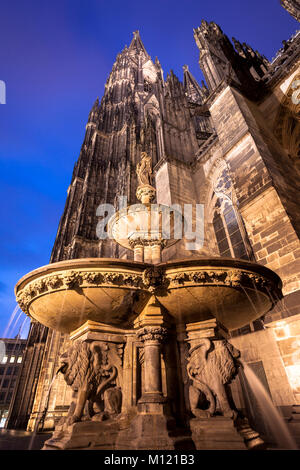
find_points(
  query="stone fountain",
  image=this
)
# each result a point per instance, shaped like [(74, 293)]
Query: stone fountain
[(149, 363)]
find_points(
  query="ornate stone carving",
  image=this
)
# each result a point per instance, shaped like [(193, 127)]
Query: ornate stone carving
[(147, 242), (211, 366), (152, 333), (232, 277), (53, 282), (145, 192), (154, 279), (92, 278), (144, 170), (88, 369), (72, 280), (23, 299), (41, 286)]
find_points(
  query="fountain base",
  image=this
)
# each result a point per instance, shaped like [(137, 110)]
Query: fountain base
[(148, 432), (84, 435), (221, 433)]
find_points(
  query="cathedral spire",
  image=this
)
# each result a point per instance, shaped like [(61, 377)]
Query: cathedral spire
[(137, 46), (193, 90)]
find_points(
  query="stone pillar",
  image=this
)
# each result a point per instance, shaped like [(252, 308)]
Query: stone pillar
[(138, 253), (156, 253), (150, 429), (147, 254), (152, 337)]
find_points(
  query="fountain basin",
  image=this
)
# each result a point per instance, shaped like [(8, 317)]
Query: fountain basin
[(234, 291), (64, 295), (145, 222)]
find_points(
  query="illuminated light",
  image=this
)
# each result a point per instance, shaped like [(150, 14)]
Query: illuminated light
[(19, 359), (282, 330), (293, 373), (4, 360), (12, 359)]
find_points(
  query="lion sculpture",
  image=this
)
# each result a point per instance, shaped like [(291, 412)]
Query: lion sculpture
[(92, 380), (211, 366)]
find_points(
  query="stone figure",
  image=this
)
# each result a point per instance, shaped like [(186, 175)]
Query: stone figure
[(144, 170), (91, 379), (211, 366)]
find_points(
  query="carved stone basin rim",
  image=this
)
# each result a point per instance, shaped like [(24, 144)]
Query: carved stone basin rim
[(170, 282)]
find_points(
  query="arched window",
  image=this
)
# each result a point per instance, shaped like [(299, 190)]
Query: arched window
[(231, 235), (228, 234), (228, 225)]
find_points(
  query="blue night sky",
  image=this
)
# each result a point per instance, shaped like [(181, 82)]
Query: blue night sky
[(55, 58)]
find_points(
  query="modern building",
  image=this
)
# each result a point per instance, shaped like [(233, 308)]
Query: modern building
[(231, 144), (10, 366)]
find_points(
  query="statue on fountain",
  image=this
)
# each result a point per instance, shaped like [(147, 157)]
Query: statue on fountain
[(144, 170), (211, 366), (145, 191), (93, 381)]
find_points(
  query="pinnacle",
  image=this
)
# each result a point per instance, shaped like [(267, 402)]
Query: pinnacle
[(137, 44)]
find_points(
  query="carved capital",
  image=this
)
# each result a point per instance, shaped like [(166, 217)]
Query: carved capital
[(133, 242), (146, 193), (152, 333)]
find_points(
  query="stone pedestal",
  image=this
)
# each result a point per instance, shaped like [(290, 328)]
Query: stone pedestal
[(84, 435), (218, 433), (152, 428)]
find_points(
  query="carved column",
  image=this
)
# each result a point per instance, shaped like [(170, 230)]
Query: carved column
[(150, 429), (152, 337), (147, 253), (138, 252), (156, 253)]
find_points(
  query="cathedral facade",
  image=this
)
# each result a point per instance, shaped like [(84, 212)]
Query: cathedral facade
[(230, 144)]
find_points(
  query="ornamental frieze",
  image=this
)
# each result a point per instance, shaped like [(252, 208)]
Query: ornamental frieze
[(152, 279), (232, 278), (75, 280)]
